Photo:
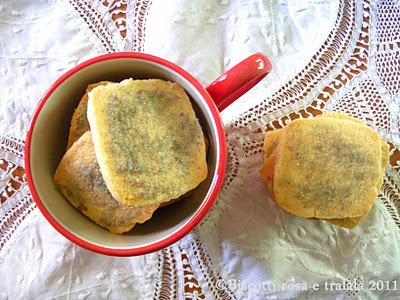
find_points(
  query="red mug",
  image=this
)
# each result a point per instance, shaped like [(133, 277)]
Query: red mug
[(47, 137)]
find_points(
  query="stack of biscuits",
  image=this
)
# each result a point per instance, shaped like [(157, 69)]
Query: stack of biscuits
[(330, 167), (133, 146)]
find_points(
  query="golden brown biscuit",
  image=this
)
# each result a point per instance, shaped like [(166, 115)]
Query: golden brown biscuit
[(79, 178), (191, 192), (320, 164), (271, 161), (267, 173), (79, 122), (268, 169), (346, 222), (271, 141), (352, 222), (272, 138), (147, 139), (172, 201)]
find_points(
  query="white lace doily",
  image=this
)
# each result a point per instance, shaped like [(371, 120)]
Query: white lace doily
[(327, 55)]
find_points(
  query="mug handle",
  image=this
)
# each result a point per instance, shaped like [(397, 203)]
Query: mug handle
[(238, 80)]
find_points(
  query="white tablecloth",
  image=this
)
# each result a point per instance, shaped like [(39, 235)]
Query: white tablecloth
[(327, 55)]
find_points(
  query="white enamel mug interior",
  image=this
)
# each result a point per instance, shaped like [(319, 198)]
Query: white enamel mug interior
[(47, 139)]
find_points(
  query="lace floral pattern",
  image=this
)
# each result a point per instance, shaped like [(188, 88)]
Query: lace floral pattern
[(295, 91), (355, 71), (108, 20), (388, 47), (19, 99), (15, 202), (345, 76)]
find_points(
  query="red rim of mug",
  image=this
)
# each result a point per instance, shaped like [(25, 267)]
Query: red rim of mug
[(215, 185)]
